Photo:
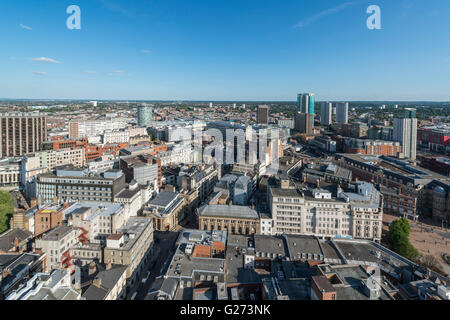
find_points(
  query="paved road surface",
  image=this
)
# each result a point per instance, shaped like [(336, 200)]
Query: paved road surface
[(163, 249)]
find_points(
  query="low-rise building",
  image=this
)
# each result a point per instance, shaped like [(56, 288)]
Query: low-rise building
[(9, 173), (56, 246), (407, 190), (177, 154), (100, 282), (47, 218), (166, 210), (117, 136), (54, 285), (97, 220), (327, 212), (134, 198), (372, 147), (201, 178), (15, 240), (69, 184), (131, 247), (144, 169), (234, 219)]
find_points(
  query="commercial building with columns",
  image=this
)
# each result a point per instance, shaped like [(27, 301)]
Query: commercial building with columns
[(234, 219), (166, 210)]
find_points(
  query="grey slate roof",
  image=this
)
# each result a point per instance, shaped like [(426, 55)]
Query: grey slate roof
[(7, 238)]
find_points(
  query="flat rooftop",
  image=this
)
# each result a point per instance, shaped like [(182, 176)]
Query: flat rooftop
[(135, 226), (105, 209), (57, 234), (191, 268), (163, 199), (235, 270), (225, 211)]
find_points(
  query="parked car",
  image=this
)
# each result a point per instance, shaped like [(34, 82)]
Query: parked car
[(144, 280)]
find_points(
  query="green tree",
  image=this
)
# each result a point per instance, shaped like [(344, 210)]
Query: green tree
[(6, 210), (398, 238)]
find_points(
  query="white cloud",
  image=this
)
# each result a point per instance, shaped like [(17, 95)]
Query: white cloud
[(40, 73), (113, 6), (25, 27), (324, 13), (146, 51), (434, 13), (90, 72), (44, 59)]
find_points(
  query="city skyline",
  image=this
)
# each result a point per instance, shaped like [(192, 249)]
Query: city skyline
[(234, 51)]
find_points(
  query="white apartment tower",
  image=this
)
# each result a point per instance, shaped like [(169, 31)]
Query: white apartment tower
[(342, 112), (405, 131), (326, 111)]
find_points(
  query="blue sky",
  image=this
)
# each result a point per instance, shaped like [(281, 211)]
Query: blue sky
[(225, 50)]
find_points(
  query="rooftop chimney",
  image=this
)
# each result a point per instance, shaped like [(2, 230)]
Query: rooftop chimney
[(16, 243), (92, 268), (6, 273), (97, 282)]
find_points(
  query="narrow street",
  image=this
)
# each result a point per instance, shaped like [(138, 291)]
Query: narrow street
[(164, 243)]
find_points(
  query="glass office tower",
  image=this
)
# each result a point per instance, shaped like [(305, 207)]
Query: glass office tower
[(305, 104)]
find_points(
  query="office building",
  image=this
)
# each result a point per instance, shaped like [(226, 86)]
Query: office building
[(435, 138), (144, 169), (131, 247), (10, 173), (96, 219), (288, 123), (118, 136), (68, 184), (405, 132), (21, 133), (263, 114), (342, 112), (51, 159), (91, 128), (304, 123), (145, 115), (199, 178), (56, 244), (177, 154), (408, 190), (372, 147), (327, 212), (326, 112), (305, 104)]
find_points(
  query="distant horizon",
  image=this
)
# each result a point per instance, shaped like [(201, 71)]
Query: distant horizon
[(215, 101)]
